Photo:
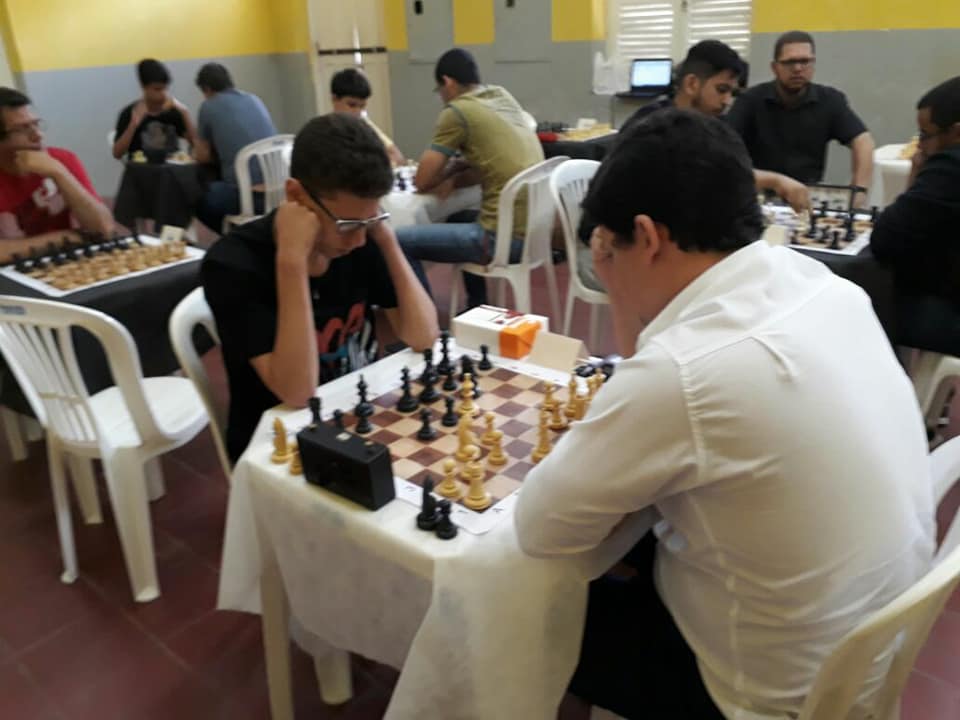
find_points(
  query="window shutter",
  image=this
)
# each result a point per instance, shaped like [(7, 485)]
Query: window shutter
[(724, 20), (645, 28)]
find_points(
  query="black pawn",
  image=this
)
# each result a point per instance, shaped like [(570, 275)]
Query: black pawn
[(450, 381), (428, 517), (450, 417), (426, 432), (363, 425), (835, 240), (445, 529), (338, 419), (444, 363), (429, 393), (466, 366), (484, 363), (428, 369), (315, 418), (407, 402), (364, 408)]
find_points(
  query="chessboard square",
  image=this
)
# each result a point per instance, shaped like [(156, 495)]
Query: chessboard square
[(405, 468), (501, 485), (518, 449), (530, 417), (406, 426), (506, 391), (524, 381), (387, 400), (387, 418), (405, 447), (518, 471), (446, 444), (488, 401), (426, 456), (384, 436), (529, 398), (510, 409), (502, 374), (513, 429)]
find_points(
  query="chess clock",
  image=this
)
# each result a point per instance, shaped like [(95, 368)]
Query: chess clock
[(347, 464)]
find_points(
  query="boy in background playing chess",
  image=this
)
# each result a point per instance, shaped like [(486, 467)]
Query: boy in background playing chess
[(293, 292), (43, 191), (762, 413)]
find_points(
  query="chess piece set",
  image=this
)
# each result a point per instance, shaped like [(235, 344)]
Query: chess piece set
[(94, 259), (832, 227)]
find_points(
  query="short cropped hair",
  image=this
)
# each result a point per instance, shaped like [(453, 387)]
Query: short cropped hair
[(152, 72), (686, 170), (708, 58), (458, 64), (350, 82), (214, 77), (944, 103), (13, 99), (789, 38), (340, 153)]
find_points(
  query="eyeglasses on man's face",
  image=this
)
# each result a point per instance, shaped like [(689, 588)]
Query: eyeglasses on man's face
[(345, 226), (797, 63)]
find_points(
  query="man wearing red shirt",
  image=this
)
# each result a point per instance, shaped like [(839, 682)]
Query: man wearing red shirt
[(43, 191)]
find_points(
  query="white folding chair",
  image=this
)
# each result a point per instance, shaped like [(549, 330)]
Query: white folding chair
[(568, 186), (189, 313), (930, 373), (128, 426), (272, 156), (537, 251)]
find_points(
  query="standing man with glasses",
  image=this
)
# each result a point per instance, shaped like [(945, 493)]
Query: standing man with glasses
[(293, 292), (43, 191), (787, 124)]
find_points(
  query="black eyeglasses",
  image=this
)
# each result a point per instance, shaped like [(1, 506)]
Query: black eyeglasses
[(797, 62), (345, 226)]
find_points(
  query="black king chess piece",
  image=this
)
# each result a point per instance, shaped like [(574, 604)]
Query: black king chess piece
[(364, 408)]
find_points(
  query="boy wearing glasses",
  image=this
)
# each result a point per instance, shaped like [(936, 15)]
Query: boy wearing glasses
[(293, 292), (43, 191), (787, 124)]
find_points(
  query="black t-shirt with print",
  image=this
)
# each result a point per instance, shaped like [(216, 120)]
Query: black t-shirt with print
[(157, 134), (239, 281)]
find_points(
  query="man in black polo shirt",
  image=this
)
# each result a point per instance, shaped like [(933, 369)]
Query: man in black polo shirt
[(293, 292), (917, 235), (787, 124)]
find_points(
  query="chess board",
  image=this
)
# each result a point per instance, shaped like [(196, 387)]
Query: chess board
[(73, 271), (785, 227), (514, 399)]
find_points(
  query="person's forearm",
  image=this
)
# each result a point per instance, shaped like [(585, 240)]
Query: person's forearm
[(416, 315), (22, 246), (862, 160), (90, 213), (294, 362), (201, 151), (122, 143)]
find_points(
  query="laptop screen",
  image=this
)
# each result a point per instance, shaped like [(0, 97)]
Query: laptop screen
[(647, 73)]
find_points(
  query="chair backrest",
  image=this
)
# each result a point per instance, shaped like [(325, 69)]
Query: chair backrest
[(568, 187), (189, 313), (540, 213), (529, 120), (903, 624), (36, 340), (272, 156)]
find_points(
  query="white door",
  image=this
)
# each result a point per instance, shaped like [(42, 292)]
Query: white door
[(351, 34)]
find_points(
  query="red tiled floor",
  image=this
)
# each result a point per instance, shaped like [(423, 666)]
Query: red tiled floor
[(87, 651)]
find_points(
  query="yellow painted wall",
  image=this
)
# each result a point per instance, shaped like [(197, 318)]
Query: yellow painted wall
[(66, 34), (830, 15), (6, 32), (473, 22), (578, 20), (395, 24)]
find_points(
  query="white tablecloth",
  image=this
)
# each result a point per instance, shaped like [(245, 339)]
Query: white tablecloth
[(411, 208), (890, 174), (478, 628)]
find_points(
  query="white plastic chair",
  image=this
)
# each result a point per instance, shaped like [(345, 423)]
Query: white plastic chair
[(272, 155), (128, 426), (537, 251), (190, 312), (568, 186), (930, 372), (904, 624)]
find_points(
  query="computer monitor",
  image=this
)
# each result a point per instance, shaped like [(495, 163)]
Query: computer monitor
[(650, 76)]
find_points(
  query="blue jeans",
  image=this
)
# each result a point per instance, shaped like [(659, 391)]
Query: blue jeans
[(453, 242), (221, 199)]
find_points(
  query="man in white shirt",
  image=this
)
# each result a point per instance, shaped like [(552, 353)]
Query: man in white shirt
[(762, 412)]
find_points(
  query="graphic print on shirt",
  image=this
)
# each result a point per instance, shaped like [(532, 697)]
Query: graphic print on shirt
[(346, 344), (32, 216)]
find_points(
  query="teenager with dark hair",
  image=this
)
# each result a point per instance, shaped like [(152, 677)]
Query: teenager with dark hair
[(917, 235), (481, 137), (731, 419), (349, 93), (293, 292), (228, 120), (44, 192), (153, 123)]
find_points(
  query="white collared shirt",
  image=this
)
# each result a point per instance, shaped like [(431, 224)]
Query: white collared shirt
[(766, 418)]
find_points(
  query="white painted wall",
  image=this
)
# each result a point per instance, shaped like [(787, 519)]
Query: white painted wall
[(6, 77)]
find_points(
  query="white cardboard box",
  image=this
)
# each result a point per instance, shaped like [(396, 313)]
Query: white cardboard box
[(505, 332)]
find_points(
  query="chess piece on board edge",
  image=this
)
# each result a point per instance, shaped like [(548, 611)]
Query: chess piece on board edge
[(477, 498), (445, 530), (296, 464), (428, 515), (450, 488), (281, 451)]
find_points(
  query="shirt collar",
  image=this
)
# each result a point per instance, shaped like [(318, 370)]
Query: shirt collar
[(705, 286), (770, 95)]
